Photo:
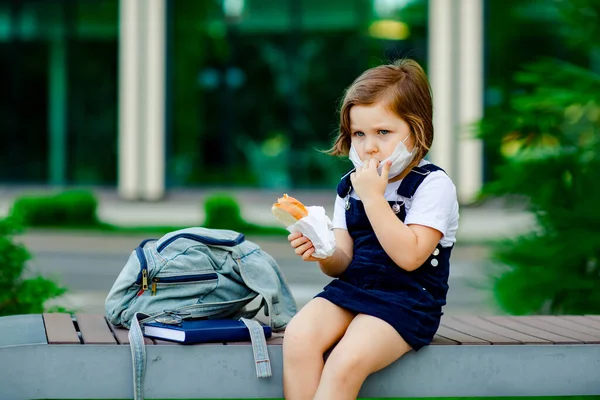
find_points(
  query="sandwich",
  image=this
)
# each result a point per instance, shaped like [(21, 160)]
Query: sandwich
[(288, 210)]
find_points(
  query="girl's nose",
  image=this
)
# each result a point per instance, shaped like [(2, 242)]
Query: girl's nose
[(370, 145)]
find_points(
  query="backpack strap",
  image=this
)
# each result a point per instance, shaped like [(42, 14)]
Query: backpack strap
[(138, 356), (259, 348), (415, 177)]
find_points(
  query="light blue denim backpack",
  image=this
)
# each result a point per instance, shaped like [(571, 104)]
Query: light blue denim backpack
[(199, 273)]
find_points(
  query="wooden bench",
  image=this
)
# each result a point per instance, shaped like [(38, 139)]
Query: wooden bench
[(54, 356)]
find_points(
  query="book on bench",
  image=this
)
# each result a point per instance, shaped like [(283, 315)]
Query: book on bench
[(202, 331)]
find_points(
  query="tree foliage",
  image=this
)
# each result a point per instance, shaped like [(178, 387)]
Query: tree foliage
[(549, 140)]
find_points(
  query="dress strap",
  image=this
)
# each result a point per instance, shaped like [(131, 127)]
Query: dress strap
[(414, 178), (344, 187)]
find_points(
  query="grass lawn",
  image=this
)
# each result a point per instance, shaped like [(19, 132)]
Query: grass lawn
[(456, 398)]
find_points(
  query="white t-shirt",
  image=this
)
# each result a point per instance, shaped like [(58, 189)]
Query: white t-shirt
[(434, 204)]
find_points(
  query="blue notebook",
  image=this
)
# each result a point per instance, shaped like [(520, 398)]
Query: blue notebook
[(202, 331)]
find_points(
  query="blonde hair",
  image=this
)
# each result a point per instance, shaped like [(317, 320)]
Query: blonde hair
[(404, 87)]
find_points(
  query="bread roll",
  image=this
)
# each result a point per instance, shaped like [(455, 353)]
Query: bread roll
[(288, 210)]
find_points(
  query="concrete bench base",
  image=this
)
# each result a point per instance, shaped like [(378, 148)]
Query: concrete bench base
[(32, 368), (173, 372)]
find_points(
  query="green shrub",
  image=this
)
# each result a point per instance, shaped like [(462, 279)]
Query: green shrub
[(71, 208), (551, 136), (17, 294), (223, 212)]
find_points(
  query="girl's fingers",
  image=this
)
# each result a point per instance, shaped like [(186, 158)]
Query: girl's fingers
[(300, 250), (300, 241), (293, 236), (307, 256), (302, 246)]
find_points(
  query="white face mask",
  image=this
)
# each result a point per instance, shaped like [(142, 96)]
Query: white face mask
[(400, 159)]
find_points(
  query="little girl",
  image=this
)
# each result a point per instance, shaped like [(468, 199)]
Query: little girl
[(395, 220)]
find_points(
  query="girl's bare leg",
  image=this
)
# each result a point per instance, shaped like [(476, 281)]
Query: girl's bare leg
[(317, 327), (368, 345)]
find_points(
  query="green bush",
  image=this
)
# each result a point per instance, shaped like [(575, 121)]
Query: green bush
[(551, 148), (71, 208), (17, 294), (223, 212)]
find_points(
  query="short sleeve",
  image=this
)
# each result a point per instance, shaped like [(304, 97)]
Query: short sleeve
[(339, 214), (435, 204)]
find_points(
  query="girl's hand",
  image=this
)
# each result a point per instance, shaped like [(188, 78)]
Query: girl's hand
[(302, 246), (367, 182)]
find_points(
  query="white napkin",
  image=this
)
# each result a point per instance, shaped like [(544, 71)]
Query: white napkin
[(318, 228)]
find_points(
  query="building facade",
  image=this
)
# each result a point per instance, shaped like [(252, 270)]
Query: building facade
[(148, 95)]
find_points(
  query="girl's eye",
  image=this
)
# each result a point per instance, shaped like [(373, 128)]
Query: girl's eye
[(359, 134), (384, 132)]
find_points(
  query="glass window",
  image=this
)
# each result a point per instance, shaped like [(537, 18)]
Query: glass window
[(256, 85), (59, 110)]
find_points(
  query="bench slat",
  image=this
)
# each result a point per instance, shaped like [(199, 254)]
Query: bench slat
[(565, 323), (536, 322), (580, 319), (460, 337), (60, 329), (520, 327), (275, 339), (94, 329), (491, 327), (441, 340), (122, 334), (171, 343), (491, 337)]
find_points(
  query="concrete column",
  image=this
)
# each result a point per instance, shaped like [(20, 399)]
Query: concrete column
[(470, 151), (142, 99), (456, 75), (154, 140), (441, 72), (129, 170)]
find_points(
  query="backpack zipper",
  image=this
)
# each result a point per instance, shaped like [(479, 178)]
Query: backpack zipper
[(182, 279), (143, 277)]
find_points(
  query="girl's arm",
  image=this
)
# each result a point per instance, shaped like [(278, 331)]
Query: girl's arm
[(341, 257), (407, 245), (339, 260)]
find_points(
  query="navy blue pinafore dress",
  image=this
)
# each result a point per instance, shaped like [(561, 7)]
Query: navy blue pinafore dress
[(373, 284)]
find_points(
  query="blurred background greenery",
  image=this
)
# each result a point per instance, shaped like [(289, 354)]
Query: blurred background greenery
[(249, 84), (252, 91)]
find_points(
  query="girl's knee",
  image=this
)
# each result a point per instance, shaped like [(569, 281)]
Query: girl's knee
[(344, 364), (300, 336)]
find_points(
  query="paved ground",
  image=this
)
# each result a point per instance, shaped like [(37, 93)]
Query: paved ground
[(185, 208), (89, 263)]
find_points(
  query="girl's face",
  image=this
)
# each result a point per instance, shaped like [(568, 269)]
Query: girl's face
[(376, 131)]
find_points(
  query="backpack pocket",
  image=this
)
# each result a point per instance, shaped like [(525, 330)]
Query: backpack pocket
[(204, 282)]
